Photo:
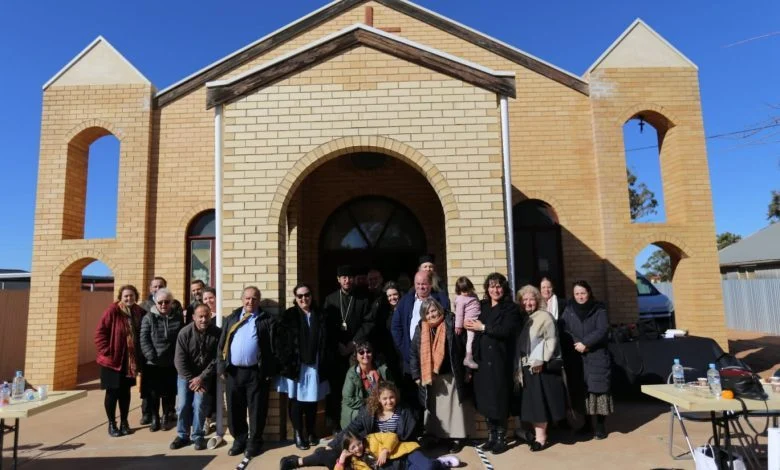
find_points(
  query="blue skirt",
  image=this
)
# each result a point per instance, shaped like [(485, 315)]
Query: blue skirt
[(307, 388)]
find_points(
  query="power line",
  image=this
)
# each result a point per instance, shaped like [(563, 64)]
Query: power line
[(716, 136)]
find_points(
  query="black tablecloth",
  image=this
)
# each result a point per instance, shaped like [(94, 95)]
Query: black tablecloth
[(649, 361)]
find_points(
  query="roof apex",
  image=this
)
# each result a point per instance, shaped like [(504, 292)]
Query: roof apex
[(641, 46), (98, 63), (359, 34)]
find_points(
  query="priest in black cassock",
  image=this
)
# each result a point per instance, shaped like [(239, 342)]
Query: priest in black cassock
[(347, 320)]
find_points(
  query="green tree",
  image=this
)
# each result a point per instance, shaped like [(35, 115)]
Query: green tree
[(659, 263), (727, 238), (641, 200), (773, 211)]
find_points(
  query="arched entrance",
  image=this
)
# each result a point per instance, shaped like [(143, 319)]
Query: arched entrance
[(538, 249), (362, 208), (371, 231)]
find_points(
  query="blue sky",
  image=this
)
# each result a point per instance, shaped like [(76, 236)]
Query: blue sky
[(169, 40)]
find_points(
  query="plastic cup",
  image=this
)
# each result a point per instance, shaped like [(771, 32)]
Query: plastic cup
[(43, 392), (702, 381)]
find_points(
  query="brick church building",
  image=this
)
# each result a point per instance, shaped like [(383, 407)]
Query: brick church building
[(370, 131)]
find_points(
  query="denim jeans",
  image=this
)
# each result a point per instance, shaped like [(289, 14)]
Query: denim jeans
[(188, 407)]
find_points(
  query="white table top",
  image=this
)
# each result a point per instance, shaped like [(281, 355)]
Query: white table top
[(25, 409), (689, 400)]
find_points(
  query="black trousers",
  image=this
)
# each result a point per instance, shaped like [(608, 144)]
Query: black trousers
[(208, 405), (247, 391), (121, 396), (322, 457)]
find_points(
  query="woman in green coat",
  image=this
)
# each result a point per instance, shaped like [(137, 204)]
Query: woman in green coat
[(362, 377)]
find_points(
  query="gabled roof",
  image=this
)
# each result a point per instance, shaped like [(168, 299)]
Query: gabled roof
[(761, 247), (322, 15), (642, 46), (98, 63), (223, 91)]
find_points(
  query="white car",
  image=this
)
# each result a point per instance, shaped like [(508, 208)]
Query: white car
[(653, 305)]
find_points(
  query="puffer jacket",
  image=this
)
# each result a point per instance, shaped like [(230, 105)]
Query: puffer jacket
[(158, 337)]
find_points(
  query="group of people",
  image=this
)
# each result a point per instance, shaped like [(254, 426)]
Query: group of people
[(394, 368)]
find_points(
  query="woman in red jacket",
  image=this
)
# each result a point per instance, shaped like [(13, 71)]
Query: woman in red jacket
[(116, 341)]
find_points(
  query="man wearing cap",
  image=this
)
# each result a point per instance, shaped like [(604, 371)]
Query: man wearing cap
[(427, 263), (347, 319)]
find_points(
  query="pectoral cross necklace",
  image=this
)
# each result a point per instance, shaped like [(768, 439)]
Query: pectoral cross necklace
[(344, 315)]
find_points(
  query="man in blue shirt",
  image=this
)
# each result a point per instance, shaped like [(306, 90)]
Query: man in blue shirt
[(246, 361)]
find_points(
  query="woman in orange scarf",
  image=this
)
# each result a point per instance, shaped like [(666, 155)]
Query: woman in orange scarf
[(436, 363)]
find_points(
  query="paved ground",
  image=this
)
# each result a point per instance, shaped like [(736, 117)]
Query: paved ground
[(74, 436)]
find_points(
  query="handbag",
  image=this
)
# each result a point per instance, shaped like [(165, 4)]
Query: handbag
[(738, 377), (705, 459)]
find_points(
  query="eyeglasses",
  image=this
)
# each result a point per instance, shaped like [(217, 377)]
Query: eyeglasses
[(362, 352), (163, 302), (305, 294)]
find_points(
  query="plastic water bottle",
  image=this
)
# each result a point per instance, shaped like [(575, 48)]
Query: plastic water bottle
[(5, 395), (678, 374), (17, 390), (713, 380)]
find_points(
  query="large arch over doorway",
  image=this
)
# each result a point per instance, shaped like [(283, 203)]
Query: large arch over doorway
[(368, 188)]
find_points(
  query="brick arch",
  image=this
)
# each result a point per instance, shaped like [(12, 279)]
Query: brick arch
[(546, 198), (346, 145), (658, 116), (97, 124), (191, 213), (674, 246), (81, 259)]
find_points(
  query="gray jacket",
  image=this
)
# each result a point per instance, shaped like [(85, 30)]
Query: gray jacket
[(158, 337)]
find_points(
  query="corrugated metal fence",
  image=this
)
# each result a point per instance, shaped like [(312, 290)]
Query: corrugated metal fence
[(750, 304)]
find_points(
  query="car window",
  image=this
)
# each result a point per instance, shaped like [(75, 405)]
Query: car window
[(644, 287)]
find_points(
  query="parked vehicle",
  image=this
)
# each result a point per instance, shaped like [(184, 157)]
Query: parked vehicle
[(653, 305)]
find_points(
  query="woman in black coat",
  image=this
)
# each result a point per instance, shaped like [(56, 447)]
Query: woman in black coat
[(588, 364), (493, 351), (302, 354)]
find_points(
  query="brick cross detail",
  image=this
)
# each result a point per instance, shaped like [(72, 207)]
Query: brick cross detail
[(369, 20)]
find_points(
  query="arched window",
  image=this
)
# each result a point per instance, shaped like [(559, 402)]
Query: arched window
[(371, 231), (373, 223), (201, 236), (538, 250)]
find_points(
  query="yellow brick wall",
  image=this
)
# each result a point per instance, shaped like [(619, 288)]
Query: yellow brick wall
[(273, 138), (73, 117)]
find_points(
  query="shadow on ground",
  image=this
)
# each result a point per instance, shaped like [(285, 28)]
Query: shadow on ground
[(761, 354), (114, 463)]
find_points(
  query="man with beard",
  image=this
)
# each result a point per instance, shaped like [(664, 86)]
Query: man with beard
[(347, 320)]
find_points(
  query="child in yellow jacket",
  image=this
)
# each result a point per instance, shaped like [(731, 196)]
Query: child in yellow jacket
[(380, 448)]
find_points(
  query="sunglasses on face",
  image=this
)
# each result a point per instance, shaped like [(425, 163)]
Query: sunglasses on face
[(362, 352), (305, 294), (163, 302)]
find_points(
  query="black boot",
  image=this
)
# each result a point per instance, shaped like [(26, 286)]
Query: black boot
[(491, 442), (300, 442), (155, 426), (501, 445), (112, 430), (124, 428), (288, 463), (601, 430), (587, 428)]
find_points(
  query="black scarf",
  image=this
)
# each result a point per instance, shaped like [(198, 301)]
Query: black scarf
[(309, 338), (582, 310)]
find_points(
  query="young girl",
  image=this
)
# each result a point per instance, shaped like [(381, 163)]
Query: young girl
[(466, 308), (380, 449)]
